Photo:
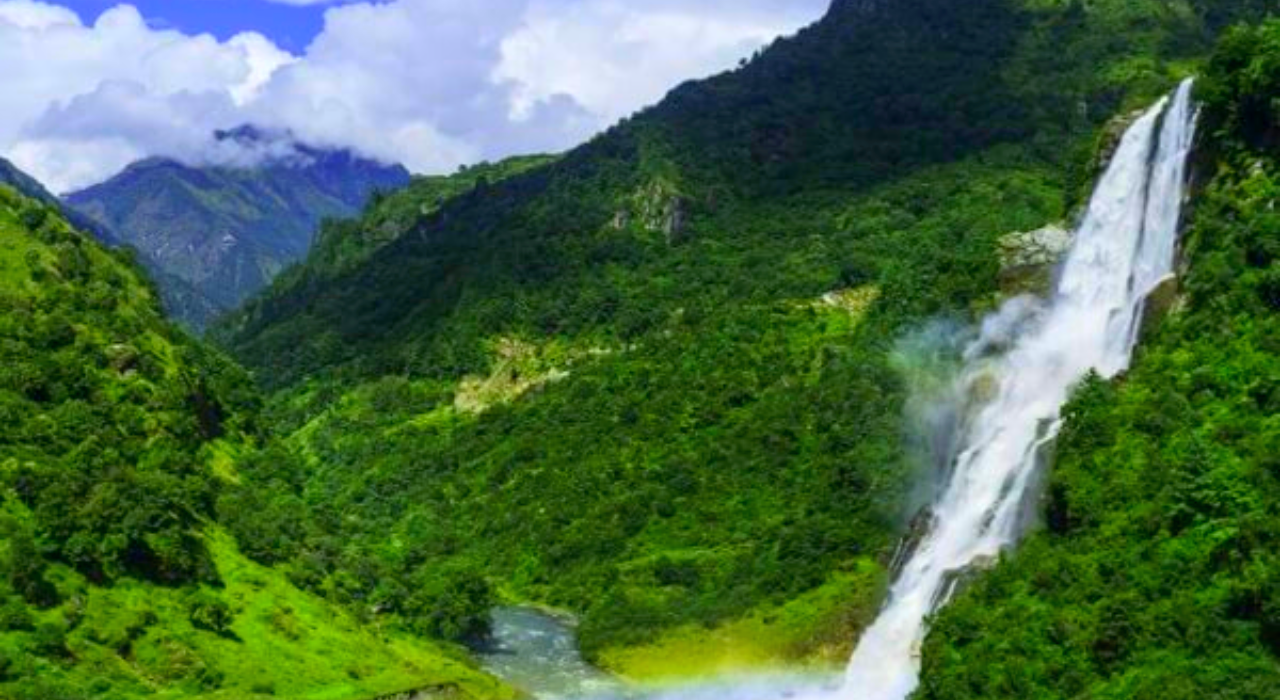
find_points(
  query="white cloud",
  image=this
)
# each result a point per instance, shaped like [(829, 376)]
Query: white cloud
[(430, 83), (263, 59), (82, 101), (614, 56), (32, 15)]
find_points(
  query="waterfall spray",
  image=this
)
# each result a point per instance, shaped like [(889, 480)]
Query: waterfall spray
[(1020, 373)]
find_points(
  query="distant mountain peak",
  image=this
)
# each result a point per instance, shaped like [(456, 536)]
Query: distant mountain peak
[(251, 145), (218, 229), (252, 134)]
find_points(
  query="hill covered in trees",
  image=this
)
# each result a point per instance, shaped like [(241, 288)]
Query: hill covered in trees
[(661, 381), (119, 437)]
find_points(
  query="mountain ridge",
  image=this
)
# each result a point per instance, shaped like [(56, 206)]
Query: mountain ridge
[(226, 230)]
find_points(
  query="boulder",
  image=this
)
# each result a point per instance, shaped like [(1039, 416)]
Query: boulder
[(1028, 258)]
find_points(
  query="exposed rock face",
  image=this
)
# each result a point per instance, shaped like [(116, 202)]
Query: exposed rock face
[(1162, 301), (1110, 139), (674, 216), (518, 368), (1043, 246), (1027, 258), (960, 579), (658, 207), (917, 530), (856, 301)]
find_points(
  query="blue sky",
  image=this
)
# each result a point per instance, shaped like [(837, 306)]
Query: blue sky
[(92, 85), (290, 26)]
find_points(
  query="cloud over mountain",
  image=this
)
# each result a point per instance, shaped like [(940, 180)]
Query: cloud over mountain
[(430, 83)]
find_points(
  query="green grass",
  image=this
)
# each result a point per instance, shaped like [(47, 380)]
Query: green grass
[(815, 630), (134, 639), (15, 246), (305, 648)]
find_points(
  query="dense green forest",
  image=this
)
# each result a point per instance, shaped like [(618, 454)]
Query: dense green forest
[(342, 244), (1157, 572), (118, 434), (657, 381)]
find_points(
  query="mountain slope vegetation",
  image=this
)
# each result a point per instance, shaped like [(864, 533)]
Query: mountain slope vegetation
[(342, 244), (118, 434), (658, 381), (28, 187), (1156, 574), (216, 234)]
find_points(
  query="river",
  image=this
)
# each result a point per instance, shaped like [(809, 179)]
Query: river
[(538, 653)]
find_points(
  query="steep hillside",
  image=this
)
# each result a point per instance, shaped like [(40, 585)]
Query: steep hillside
[(1157, 574), (27, 186), (660, 381), (342, 244), (118, 437), (227, 231), (179, 297)]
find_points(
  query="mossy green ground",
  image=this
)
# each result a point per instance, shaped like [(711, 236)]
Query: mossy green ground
[(135, 639), (815, 631)]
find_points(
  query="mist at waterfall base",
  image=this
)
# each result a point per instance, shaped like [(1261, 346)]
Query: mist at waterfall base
[(987, 403)]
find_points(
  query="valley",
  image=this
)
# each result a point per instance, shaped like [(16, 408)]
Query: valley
[(938, 335)]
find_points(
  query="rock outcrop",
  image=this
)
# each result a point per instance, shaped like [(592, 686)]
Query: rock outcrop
[(656, 208), (1028, 258), (1162, 301)]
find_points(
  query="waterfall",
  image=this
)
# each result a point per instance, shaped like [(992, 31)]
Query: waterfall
[(1021, 371), (1017, 375)]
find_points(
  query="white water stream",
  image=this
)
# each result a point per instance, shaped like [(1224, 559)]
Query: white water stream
[(1019, 374)]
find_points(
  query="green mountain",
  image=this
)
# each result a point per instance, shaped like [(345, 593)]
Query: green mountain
[(215, 235), (1157, 574), (661, 381), (119, 437), (24, 184), (342, 244)]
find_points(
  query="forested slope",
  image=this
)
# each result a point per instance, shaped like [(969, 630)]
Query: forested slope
[(1157, 574), (659, 381), (118, 435)]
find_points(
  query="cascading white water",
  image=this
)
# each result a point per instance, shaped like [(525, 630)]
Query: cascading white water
[(1020, 373)]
